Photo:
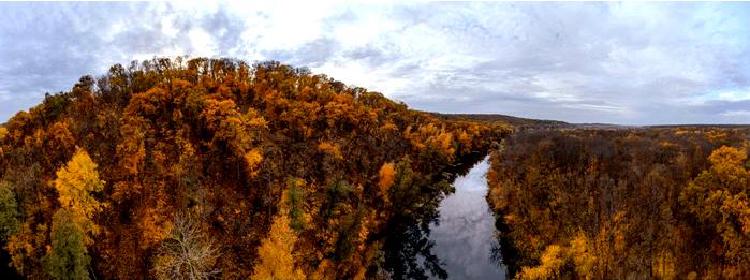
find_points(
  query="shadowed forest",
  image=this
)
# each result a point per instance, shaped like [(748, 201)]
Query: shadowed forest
[(221, 169)]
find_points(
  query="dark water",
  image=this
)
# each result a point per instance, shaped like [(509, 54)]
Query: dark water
[(464, 234), (455, 239)]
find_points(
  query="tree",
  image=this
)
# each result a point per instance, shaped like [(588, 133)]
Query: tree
[(718, 197), (75, 183), (132, 149), (295, 199), (9, 223), (583, 255), (387, 177), (331, 149), (73, 223), (253, 159), (68, 259), (555, 259), (552, 261), (276, 251), (189, 253)]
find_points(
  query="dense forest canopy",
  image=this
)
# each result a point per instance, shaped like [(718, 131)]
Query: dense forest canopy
[(203, 168), (657, 203)]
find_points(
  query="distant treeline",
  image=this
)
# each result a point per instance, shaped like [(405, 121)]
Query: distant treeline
[(516, 122)]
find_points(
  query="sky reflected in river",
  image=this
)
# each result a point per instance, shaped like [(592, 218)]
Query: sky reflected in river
[(464, 234)]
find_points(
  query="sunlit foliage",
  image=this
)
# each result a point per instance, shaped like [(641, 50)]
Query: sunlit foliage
[(718, 198), (75, 184), (387, 176), (276, 252)]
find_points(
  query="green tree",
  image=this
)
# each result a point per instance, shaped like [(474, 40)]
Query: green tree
[(68, 258), (9, 223), (295, 200)]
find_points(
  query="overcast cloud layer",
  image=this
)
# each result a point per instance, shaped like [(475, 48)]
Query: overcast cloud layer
[(636, 63)]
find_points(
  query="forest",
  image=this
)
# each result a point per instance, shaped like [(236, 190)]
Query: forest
[(651, 203), (223, 169), (220, 169)]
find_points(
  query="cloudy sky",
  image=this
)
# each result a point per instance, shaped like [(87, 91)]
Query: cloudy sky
[(629, 63)]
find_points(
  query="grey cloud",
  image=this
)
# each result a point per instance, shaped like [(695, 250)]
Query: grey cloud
[(46, 47), (226, 30), (574, 44), (586, 62), (373, 55), (311, 54)]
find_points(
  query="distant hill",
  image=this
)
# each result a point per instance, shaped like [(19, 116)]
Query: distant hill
[(700, 125), (526, 123), (514, 121)]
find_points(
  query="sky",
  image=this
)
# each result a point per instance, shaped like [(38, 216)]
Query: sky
[(626, 63)]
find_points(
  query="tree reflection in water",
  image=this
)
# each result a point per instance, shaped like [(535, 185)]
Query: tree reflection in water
[(407, 252)]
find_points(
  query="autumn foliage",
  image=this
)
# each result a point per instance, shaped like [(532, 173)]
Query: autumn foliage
[(276, 252), (116, 159), (659, 203), (75, 184), (387, 176)]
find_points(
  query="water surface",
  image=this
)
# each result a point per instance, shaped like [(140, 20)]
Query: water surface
[(464, 233)]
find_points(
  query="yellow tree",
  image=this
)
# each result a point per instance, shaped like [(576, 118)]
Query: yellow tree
[(75, 182), (331, 149), (253, 158), (718, 197), (3, 134), (584, 256), (387, 176), (556, 261), (553, 259), (276, 251)]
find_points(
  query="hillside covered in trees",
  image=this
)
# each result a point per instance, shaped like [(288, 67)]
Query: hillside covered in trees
[(215, 168), (656, 203)]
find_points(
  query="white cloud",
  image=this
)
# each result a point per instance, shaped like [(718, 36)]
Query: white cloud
[(201, 42), (734, 95)]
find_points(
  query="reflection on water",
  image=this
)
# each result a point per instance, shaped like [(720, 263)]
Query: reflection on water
[(455, 241), (408, 253), (465, 233)]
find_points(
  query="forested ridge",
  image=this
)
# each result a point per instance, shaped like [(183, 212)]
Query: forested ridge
[(650, 203), (216, 168)]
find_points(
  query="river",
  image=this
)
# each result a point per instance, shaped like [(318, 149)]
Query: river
[(454, 239), (464, 233)]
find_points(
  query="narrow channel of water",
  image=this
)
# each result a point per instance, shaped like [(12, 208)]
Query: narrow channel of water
[(464, 233)]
